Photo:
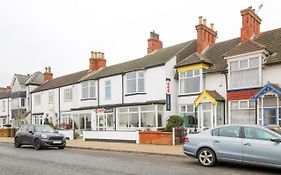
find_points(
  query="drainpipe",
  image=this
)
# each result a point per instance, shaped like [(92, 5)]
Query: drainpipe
[(122, 89), (226, 105), (59, 107)]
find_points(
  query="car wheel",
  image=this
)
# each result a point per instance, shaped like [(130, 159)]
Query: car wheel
[(37, 144), (207, 157), (61, 147), (17, 143)]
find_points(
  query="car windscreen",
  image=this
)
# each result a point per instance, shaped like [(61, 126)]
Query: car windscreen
[(44, 129)]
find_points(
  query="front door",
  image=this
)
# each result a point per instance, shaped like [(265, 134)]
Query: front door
[(270, 116), (105, 121)]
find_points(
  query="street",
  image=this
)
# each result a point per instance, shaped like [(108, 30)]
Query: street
[(27, 161)]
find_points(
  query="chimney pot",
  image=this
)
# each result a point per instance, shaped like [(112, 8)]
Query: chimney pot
[(200, 20), (205, 22), (212, 26)]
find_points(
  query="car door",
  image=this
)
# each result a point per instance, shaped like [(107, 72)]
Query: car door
[(30, 135), (22, 134), (228, 143), (258, 148)]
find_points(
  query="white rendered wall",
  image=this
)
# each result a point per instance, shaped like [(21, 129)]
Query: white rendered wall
[(216, 81), (154, 86), (272, 74), (116, 90)]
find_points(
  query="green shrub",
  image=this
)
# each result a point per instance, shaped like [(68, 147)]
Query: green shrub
[(174, 121)]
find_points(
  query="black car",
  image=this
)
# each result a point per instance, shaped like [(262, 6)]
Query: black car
[(40, 136)]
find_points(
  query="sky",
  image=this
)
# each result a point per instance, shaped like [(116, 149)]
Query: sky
[(62, 33)]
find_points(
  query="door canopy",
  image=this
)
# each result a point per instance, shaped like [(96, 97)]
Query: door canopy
[(212, 96), (268, 87)]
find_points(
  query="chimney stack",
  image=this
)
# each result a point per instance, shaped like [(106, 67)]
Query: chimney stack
[(97, 61), (48, 75), (250, 24), (206, 36), (153, 43)]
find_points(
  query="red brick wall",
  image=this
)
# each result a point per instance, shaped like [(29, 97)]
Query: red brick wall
[(154, 137), (96, 64), (242, 94), (153, 44)]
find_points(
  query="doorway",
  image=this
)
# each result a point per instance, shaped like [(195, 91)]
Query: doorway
[(105, 121)]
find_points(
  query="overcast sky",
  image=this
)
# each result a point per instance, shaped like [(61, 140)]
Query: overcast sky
[(61, 33)]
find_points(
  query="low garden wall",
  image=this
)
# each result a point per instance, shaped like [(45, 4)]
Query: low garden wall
[(8, 132), (156, 137)]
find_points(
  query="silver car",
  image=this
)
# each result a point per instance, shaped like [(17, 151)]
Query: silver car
[(235, 143)]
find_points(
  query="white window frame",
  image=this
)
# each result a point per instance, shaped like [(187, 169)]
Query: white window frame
[(51, 97), (241, 59), (193, 76), (37, 99), (107, 90), (239, 107), (3, 106), (88, 90), (68, 94), (137, 79)]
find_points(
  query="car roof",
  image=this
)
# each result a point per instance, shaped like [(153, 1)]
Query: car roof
[(241, 125)]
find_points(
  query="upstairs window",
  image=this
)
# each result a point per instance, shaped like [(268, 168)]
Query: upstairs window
[(135, 82), (37, 100), (88, 89), (244, 73), (68, 94), (51, 97), (108, 89), (3, 106), (190, 81)]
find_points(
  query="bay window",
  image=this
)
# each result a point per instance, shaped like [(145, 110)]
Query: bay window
[(242, 112), (244, 73), (135, 82), (190, 81)]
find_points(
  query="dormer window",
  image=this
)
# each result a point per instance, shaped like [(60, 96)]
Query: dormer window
[(244, 73), (190, 81)]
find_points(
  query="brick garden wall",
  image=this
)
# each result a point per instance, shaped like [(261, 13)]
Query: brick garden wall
[(155, 137)]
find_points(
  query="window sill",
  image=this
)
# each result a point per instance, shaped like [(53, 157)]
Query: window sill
[(86, 99), (137, 93), (189, 94)]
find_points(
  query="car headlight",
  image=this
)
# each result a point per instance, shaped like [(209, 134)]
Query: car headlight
[(44, 136)]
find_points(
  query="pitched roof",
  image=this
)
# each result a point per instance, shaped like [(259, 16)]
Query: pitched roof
[(22, 79), (154, 59), (61, 81), (194, 59), (245, 47), (269, 40), (5, 94), (215, 95), (36, 78)]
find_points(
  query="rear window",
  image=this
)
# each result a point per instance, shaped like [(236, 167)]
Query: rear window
[(229, 131)]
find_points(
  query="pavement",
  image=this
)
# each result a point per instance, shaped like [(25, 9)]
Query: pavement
[(170, 150)]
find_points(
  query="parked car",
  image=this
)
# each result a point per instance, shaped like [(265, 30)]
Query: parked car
[(235, 143), (6, 126), (40, 136)]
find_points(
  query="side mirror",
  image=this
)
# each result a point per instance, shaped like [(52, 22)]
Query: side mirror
[(31, 132), (275, 139)]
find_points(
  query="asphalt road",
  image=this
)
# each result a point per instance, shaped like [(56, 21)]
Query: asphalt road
[(27, 161)]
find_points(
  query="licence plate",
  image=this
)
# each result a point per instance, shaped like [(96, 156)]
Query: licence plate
[(56, 142)]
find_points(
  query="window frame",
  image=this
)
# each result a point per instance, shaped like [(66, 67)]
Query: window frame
[(37, 100), (248, 67), (51, 97), (68, 94), (107, 90), (137, 82), (200, 72), (88, 90)]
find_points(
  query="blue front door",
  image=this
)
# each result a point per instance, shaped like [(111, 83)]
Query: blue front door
[(270, 116)]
